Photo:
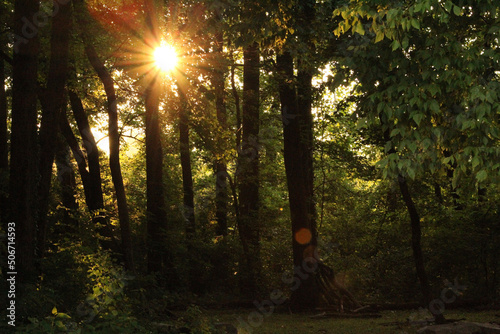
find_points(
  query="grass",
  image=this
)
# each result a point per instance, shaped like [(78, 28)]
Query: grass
[(391, 322)]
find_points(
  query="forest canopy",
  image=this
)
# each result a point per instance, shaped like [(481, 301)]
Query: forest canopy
[(164, 153)]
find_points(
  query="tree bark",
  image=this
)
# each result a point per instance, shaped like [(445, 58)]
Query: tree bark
[(114, 152), (416, 236), (187, 176), (52, 98), (156, 217), (188, 191), (24, 144), (248, 173), (72, 142), (4, 149), (96, 198), (158, 257), (236, 97), (67, 180), (221, 191), (297, 133)]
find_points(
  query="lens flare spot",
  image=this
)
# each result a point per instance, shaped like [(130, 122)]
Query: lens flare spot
[(303, 236), (165, 57)]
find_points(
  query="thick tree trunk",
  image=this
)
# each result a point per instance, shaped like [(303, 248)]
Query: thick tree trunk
[(114, 152), (248, 173), (297, 133), (96, 198), (156, 217), (53, 97), (158, 257), (24, 145), (4, 149)]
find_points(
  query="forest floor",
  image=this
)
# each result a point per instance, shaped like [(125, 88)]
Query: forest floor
[(390, 322)]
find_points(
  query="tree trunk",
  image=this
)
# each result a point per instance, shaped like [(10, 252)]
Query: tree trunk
[(221, 193), (72, 142), (188, 192), (156, 217), (4, 149), (236, 97), (96, 198), (248, 173), (158, 257), (67, 180), (297, 133), (52, 98), (24, 145), (114, 152), (187, 176), (416, 236)]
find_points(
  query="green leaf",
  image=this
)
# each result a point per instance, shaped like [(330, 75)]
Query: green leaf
[(359, 28), (415, 23), (395, 45), (63, 316), (475, 162), (448, 5), (411, 173), (418, 118), (481, 176), (405, 43), (457, 11), (434, 89), (379, 37), (454, 181), (395, 132), (412, 146), (434, 106)]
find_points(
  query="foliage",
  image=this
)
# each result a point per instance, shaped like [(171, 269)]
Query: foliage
[(401, 88), (434, 93), (195, 321), (105, 309)]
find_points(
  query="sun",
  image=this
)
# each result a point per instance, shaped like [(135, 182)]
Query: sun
[(165, 57)]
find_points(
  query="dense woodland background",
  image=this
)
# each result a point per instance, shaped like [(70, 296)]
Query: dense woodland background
[(363, 131)]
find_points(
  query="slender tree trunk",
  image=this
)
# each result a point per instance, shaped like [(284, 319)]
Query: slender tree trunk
[(187, 176), (96, 198), (24, 145), (188, 191), (114, 152), (67, 180), (416, 236), (221, 193), (53, 97), (236, 97), (4, 149), (297, 133), (72, 142), (248, 173)]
